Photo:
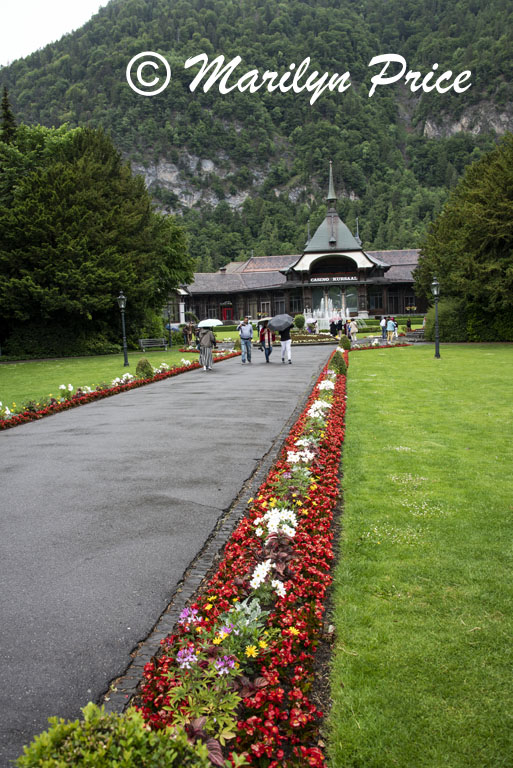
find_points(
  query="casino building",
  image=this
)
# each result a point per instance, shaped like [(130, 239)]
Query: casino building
[(334, 274)]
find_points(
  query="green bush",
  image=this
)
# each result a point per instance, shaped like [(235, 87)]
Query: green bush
[(481, 326), (452, 323), (144, 369), (236, 345), (338, 363), (107, 740), (344, 342), (50, 339), (191, 317), (299, 321)]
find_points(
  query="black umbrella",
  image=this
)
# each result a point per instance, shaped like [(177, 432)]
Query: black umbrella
[(280, 322)]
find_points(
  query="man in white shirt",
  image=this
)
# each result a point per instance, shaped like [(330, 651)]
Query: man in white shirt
[(245, 330)]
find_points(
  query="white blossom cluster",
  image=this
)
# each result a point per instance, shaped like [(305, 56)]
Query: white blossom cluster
[(185, 362), (5, 412), (326, 384), (276, 521), (163, 367), (122, 379), (261, 573), (318, 408), (295, 457), (69, 387)]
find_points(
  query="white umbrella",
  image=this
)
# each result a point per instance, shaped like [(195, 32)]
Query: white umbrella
[(209, 323)]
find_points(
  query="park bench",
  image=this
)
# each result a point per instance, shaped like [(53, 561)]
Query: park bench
[(152, 343)]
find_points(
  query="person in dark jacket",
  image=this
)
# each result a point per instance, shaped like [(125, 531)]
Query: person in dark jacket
[(286, 344), (207, 340)]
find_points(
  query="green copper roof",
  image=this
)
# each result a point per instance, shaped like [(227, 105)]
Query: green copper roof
[(331, 236), (332, 198)]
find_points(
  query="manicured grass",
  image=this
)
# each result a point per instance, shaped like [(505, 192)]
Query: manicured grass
[(24, 381), (423, 656)]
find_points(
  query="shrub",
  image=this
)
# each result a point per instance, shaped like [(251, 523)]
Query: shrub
[(236, 345), (345, 343), (190, 316), (111, 740), (338, 363), (144, 369), (299, 321), (481, 326), (451, 322)]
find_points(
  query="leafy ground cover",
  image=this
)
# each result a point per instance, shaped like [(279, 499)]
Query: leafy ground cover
[(24, 381), (423, 592)]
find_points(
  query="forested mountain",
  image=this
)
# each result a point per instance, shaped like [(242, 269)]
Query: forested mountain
[(247, 171)]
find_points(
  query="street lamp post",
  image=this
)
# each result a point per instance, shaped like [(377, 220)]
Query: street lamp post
[(169, 323), (122, 305), (435, 290)]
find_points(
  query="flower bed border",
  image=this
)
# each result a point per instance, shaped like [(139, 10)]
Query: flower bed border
[(278, 724), (98, 394)]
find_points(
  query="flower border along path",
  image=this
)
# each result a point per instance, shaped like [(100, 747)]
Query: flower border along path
[(82, 396), (238, 670)]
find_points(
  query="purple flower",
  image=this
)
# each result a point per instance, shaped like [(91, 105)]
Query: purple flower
[(185, 658), (224, 665), (188, 616)]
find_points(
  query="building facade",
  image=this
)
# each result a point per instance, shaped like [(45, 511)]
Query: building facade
[(334, 274)]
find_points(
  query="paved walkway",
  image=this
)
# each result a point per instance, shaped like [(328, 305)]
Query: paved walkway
[(104, 507)]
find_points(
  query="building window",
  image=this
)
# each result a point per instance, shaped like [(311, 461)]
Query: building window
[(265, 307), (296, 305), (375, 300), (279, 306)]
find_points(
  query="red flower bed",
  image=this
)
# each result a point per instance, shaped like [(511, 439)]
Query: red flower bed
[(98, 394), (276, 724)]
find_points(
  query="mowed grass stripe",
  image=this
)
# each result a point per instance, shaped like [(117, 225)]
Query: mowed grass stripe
[(423, 660)]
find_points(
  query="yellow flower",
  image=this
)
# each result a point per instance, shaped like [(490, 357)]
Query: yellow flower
[(299, 503), (294, 631), (237, 665), (212, 598), (294, 495), (217, 640), (208, 606), (313, 487), (199, 629), (250, 500), (262, 644), (273, 503), (251, 651)]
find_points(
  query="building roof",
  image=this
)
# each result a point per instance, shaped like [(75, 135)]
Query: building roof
[(332, 235), (262, 272)]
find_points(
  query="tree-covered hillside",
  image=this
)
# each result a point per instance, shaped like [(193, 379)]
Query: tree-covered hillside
[(247, 171)]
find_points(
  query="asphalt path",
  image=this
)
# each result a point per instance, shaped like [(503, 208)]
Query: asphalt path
[(102, 510)]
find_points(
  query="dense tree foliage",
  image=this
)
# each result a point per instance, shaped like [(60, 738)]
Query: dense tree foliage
[(272, 148), (470, 245), (76, 228)]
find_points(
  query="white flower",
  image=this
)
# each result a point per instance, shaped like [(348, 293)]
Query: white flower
[(62, 386), (288, 531), (326, 384), (260, 573), (70, 387), (185, 362), (279, 588), (259, 531)]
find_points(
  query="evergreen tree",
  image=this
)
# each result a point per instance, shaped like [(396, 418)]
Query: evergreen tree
[(8, 130), (77, 228), (470, 245)]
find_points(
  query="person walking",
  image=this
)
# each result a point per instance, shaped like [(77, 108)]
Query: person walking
[(408, 325), (396, 328), (286, 344), (266, 340), (354, 330), (383, 325), (390, 330), (207, 340), (245, 330)]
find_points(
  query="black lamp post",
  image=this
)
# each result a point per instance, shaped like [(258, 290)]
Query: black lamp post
[(435, 290), (169, 322), (122, 305)]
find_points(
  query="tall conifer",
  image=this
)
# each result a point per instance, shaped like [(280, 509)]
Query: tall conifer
[(8, 129)]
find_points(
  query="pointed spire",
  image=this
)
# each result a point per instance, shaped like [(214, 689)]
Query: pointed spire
[(308, 236), (357, 236), (332, 198)]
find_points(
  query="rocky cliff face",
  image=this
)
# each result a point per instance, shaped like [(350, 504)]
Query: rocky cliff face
[(477, 119)]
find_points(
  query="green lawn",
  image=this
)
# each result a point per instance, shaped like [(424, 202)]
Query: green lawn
[(24, 381), (423, 657)]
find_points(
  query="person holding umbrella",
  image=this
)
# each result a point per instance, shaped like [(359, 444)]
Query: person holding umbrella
[(283, 324), (207, 340)]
